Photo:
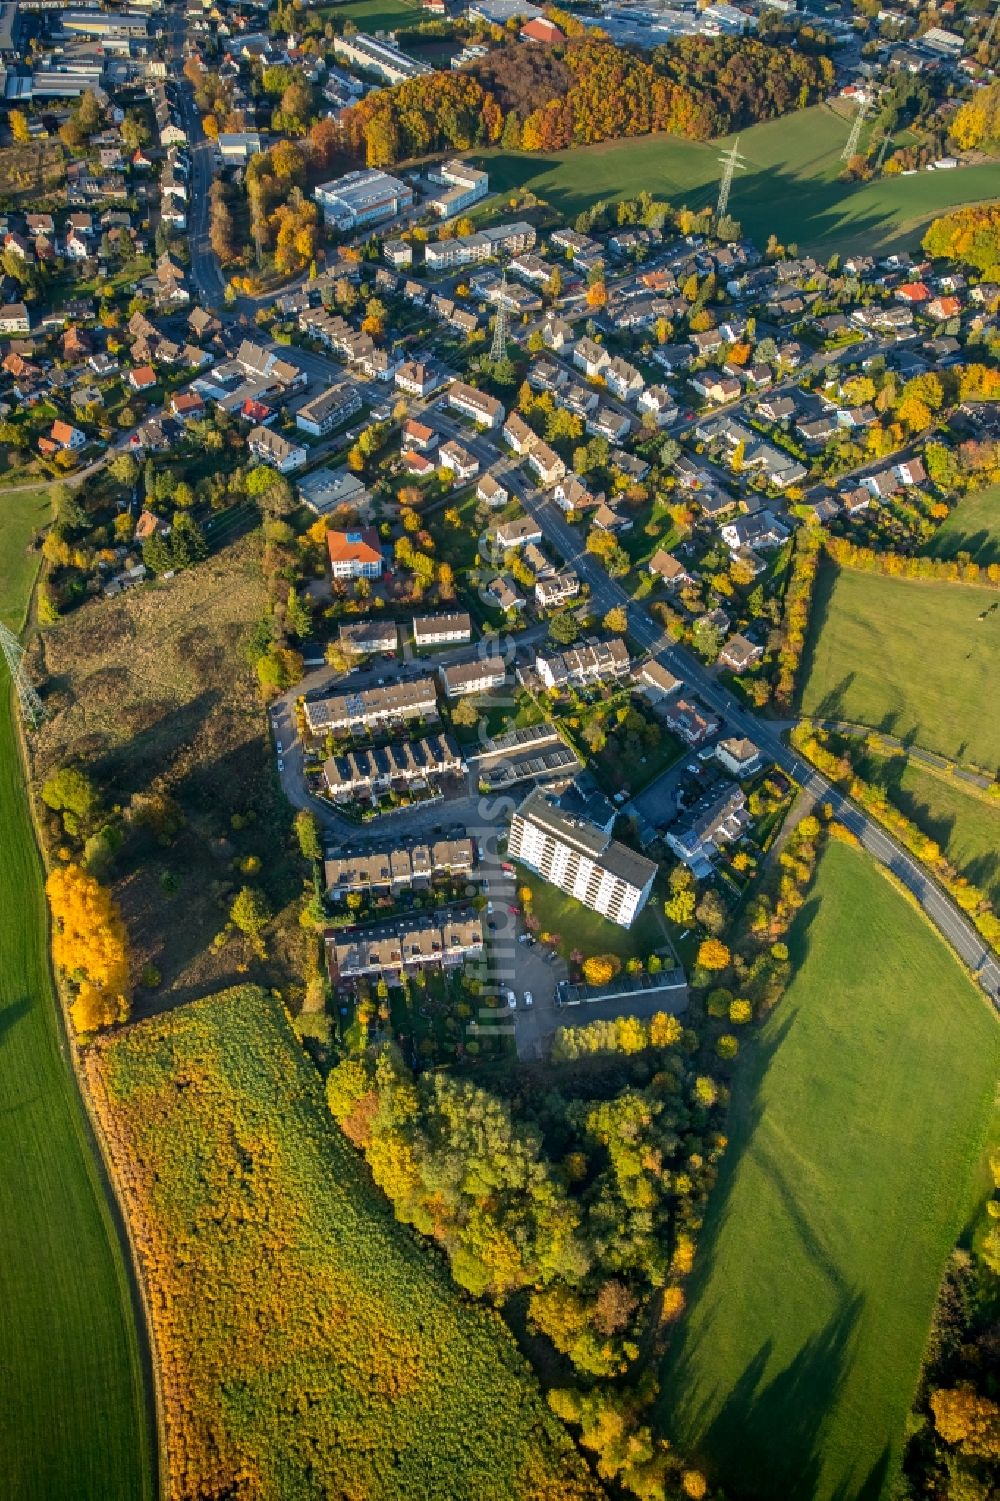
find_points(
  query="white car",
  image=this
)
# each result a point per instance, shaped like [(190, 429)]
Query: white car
[(489, 909), (528, 998), (512, 1000), (281, 764), (279, 748)]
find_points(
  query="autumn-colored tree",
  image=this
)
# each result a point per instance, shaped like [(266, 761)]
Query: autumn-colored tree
[(713, 954), (600, 969), (307, 833), (90, 946), (250, 911), (20, 129), (616, 620)]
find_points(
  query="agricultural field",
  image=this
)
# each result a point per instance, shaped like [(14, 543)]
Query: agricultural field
[(972, 527), (153, 690), (858, 1121), (965, 823), (790, 186), (306, 1339), (73, 1413), (912, 658)]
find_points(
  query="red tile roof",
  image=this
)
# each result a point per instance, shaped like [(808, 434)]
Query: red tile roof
[(354, 546)]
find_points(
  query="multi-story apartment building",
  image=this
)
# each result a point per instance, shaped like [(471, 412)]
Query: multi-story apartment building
[(330, 409), (370, 707), (413, 945), (271, 448), (480, 676), (442, 630), (580, 859), (484, 245), (476, 404)]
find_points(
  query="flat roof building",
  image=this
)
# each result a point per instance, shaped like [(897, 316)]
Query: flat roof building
[(379, 57), (363, 197)]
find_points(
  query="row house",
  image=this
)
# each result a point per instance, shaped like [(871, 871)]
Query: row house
[(481, 408), (364, 773), (479, 676), (592, 661), (442, 630), (417, 946), (370, 708), (396, 868)]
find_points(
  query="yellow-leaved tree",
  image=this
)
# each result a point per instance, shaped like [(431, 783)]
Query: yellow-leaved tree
[(90, 946)]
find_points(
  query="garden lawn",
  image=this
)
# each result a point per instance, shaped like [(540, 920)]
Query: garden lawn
[(859, 1116), (790, 187), (972, 527), (375, 15), (964, 822), (907, 657), (579, 928), (73, 1418)]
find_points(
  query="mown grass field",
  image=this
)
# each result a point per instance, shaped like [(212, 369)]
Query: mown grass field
[(858, 1121), (790, 186), (972, 527), (308, 1340), (965, 824), (73, 1420), (908, 657)]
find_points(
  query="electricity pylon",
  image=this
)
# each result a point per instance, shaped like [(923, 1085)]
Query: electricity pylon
[(498, 349), (883, 148), (855, 136), (730, 162), (29, 703)]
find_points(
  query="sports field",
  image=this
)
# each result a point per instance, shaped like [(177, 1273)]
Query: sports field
[(963, 822), (908, 657), (972, 527), (789, 187), (72, 1411), (858, 1122)]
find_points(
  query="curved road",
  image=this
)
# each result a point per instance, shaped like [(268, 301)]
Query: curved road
[(950, 922)]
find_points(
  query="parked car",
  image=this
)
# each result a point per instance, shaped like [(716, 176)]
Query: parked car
[(529, 999), (512, 1000)]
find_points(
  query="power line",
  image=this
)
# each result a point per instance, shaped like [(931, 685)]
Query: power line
[(731, 161), (32, 711), (498, 349), (855, 136)]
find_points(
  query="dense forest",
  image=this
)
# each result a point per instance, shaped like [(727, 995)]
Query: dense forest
[(586, 91)]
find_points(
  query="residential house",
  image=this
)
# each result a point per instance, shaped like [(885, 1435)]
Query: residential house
[(517, 533), (463, 465), (714, 386), (762, 530), (369, 637), (607, 423), (716, 819), (911, 472), (546, 464), (739, 756), (658, 402), (590, 357), (420, 943), (592, 661), (369, 708), (571, 494), (274, 449), (623, 379), (64, 436), (657, 683), (418, 435), (14, 318), (330, 409), (361, 773), (671, 570), (518, 434), (415, 378), (492, 491), (554, 589), (690, 720), (739, 653), (483, 409)]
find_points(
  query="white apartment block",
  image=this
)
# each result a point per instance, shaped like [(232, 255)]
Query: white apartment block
[(580, 859), (462, 185), (378, 57), (476, 404), (442, 630)]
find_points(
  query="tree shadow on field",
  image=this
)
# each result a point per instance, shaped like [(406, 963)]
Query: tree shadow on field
[(763, 1436), (11, 1014)]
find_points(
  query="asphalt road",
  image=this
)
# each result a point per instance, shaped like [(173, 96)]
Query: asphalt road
[(205, 272)]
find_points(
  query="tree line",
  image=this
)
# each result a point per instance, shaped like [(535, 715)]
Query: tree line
[(588, 91)]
